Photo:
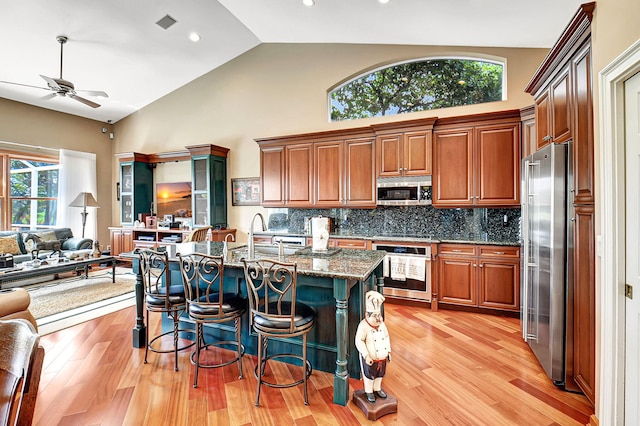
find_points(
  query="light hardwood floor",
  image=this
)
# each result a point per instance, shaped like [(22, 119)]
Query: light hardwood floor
[(448, 368)]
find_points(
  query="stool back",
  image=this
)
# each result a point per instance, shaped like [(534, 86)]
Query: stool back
[(196, 235), (203, 280), (154, 268), (271, 286)]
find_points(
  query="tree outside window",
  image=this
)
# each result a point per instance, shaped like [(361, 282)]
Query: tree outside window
[(33, 193), (418, 86)]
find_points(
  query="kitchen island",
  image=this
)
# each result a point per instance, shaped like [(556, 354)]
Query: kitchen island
[(334, 285)]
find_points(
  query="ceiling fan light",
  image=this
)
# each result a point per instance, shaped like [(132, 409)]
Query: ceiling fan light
[(194, 37)]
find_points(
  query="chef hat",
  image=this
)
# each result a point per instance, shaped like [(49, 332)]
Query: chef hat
[(373, 301)]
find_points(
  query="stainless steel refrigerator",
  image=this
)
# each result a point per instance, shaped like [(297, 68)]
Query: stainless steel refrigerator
[(547, 258)]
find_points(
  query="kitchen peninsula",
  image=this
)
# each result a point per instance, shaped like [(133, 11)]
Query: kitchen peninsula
[(334, 285)]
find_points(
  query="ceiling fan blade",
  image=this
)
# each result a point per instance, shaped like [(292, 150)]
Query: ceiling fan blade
[(83, 100), (51, 82), (25, 85), (94, 93)]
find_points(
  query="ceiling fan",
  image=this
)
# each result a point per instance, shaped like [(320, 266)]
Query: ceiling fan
[(62, 87)]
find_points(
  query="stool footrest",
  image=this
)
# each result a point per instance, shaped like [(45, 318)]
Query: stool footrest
[(168, 350), (308, 371), (219, 345)]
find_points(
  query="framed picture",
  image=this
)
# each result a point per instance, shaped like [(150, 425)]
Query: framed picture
[(246, 191)]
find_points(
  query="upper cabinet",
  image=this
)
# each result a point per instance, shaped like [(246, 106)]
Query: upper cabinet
[(553, 111), (404, 148), (476, 160), (329, 169), (136, 186), (209, 185)]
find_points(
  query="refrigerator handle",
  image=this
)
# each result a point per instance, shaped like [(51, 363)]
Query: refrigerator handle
[(524, 279)]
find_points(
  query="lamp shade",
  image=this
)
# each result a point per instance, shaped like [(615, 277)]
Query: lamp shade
[(84, 199)]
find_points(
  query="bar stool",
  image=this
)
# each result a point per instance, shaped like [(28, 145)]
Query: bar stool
[(208, 303), (197, 235), (275, 312), (162, 297)]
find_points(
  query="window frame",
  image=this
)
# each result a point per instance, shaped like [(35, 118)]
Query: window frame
[(6, 199), (468, 57)]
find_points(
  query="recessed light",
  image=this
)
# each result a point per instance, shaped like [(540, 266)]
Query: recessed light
[(308, 2), (194, 37), (384, 1)]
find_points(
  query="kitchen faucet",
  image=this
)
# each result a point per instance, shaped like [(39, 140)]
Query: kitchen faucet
[(225, 249), (250, 244)]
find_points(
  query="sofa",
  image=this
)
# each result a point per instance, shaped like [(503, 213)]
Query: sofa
[(14, 304), (24, 245)]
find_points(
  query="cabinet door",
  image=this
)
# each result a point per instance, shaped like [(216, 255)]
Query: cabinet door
[(417, 153), (272, 176), (499, 284), (389, 158), (350, 243), (328, 174), (497, 171), (457, 280), (561, 108), (528, 137), (299, 172), (360, 173), (115, 240), (543, 131), (584, 301), (126, 193), (453, 167), (583, 128)]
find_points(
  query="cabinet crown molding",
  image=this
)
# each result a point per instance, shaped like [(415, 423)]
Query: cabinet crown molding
[(578, 30)]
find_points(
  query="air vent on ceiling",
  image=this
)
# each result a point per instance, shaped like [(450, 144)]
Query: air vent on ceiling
[(166, 22)]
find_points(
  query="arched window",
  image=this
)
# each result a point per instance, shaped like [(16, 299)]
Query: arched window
[(420, 85)]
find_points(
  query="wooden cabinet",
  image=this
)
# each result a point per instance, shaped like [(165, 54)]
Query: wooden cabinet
[(331, 169), (359, 182), (350, 243), (479, 276), (121, 240), (209, 185), (476, 162), (562, 88), (404, 148), (404, 154), (553, 112), (135, 187), (528, 127)]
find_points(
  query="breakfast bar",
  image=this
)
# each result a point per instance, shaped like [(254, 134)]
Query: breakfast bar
[(332, 283)]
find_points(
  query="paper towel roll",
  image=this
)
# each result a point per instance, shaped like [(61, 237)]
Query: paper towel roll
[(320, 233)]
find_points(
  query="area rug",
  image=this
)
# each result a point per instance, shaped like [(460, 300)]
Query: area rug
[(52, 297)]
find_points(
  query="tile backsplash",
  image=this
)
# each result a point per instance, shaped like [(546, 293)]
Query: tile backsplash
[(490, 224)]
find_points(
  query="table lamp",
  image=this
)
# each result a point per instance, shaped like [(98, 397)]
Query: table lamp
[(84, 200)]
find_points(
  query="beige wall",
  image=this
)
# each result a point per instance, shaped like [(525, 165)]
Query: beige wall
[(28, 125), (279, 89)]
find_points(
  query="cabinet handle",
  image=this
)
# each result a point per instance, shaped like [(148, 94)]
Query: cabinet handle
[(475, 266), (546, 138), (456, 251), (482, 266), (498, 252)]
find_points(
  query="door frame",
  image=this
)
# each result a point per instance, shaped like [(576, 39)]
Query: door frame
[(610, 244)]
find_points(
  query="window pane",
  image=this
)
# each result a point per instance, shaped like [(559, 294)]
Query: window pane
[(47, 210), (48, 183), (21, 184), (20, 212), (418, 86)]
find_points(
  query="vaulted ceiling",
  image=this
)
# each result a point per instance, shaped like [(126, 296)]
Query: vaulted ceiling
[(116, 46)]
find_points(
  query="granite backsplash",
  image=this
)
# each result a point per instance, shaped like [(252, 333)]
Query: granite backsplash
[(424, 221)]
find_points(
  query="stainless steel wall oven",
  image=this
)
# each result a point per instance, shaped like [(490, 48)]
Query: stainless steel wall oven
[(407, 269)]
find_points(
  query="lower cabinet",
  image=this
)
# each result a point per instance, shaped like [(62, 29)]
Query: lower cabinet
[(479, 276), (121, 240)]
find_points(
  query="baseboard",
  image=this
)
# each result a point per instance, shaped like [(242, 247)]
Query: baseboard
[(593, 420)]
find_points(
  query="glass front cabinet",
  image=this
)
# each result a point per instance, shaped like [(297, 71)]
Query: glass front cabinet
[(209, 185), (135, 190)]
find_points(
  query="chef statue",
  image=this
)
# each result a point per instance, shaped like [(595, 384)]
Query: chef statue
[(372, 341)]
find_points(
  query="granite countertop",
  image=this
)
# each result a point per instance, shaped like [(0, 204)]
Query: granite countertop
[(397, 237), (343, 263)]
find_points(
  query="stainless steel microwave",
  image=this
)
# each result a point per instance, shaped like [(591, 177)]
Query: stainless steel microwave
[(404, 191)]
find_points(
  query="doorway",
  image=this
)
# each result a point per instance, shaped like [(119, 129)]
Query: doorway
[(613, 236)]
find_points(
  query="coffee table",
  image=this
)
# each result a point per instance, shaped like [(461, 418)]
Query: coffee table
[(23, 272)]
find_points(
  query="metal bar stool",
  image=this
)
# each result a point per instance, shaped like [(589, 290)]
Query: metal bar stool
[(163, 297), (208, 303), (275, 312)]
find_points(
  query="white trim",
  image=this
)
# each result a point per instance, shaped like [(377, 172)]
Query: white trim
[(611, 297)]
